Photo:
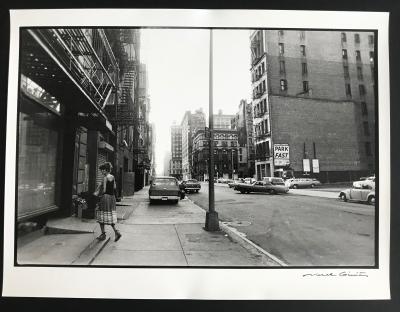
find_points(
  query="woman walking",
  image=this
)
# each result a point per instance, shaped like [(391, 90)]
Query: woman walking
[(106, 212)]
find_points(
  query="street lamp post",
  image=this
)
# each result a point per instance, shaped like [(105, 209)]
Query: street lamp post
[(212, 222)]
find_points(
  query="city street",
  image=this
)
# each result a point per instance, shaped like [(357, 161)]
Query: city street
[(300, 230)]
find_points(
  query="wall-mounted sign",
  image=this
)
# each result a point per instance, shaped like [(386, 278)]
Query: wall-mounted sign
[(281, 154), (306, 165), (315, 165)]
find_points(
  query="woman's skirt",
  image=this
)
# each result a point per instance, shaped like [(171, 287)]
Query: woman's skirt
[(106, 212)]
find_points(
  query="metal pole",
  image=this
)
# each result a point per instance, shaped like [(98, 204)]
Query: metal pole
[(212, 222)]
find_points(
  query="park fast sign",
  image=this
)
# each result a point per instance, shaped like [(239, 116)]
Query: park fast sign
[(281, 154)]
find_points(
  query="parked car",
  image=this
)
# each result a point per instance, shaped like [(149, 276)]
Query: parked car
[(274, 187), (191, 185), (362, 193), (249, 180), (235, 182), (302, 182), (165, 189)]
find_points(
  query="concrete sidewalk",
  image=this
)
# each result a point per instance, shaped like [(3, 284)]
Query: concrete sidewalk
[(152, 235)]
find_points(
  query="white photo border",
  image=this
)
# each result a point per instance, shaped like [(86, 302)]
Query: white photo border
[(194, 283)]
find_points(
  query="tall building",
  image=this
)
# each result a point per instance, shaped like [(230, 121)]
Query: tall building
[(243, 124), (190, 123), (225, 154), (176, 151), (313, 103), (167, 162)]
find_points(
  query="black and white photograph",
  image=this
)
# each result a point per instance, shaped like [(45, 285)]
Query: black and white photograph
[(197, 148)]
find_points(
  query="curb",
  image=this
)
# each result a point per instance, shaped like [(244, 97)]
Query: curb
[(241, 239)]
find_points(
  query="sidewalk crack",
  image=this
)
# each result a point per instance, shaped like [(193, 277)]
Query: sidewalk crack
[(187, 263)]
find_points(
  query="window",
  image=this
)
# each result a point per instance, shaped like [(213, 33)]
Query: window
[(240, 158), (266, 125), (346, 71), (368, 149), (344, 39), (303, 50), (281, 48), (359, 73), (305, 86), (263, 67), (371, 56), (282, 67), (366, 128), (364, 109), (348, 90), (265, 105), (283, 85), (344, 54), (362, 90), (356, 38), (304, 68), (263, 86), (371, 39), (358, 55)]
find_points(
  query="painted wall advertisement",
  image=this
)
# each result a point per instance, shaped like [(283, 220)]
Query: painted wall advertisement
[(306, 165), (281, 154), (315, 165)]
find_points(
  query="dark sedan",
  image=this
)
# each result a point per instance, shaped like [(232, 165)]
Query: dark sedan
[(191, 185), (164, 189)]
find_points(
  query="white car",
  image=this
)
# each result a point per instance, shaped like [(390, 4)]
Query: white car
[(302, 182)]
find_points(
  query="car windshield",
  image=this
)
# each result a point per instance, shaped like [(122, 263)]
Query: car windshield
[(164, 182), (192, 181)]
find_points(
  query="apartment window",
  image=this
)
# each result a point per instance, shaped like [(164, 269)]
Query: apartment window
[(346, 71), (303, 50), (266, 125), (305, 86), (281, 48), (348, 90), (364, 109), (304, 68), (362, 90), (356, 38), (282, 67), (368, 149), (344, 39), (371, 39), (359, 73), (371, 56), (302, 35), (240, 158), (366, 128), (283, 85), (263, 67), (263, 86), (358, 55), (344, 54), (265, 105)]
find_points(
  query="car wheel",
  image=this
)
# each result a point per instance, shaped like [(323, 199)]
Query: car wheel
[(151, 201), (176, 201), (242, 192), (312, 185), (371, 200), (272, 192), (295, 186), (197, 191), (343, 197), (248, 192)]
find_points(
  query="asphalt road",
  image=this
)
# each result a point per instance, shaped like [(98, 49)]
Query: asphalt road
[(300, 230)]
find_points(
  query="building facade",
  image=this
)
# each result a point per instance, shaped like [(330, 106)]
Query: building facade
[(77, 95), (243, 123), (176, 152), (313, 103), (190, 123), (222, 121), (225, 154)]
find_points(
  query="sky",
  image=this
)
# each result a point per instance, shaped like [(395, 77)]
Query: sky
[(177, 63)]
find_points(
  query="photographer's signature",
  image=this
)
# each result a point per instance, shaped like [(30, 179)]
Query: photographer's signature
[(341, 274)]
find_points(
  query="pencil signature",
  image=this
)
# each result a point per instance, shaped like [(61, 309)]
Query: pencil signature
[(341, 274)]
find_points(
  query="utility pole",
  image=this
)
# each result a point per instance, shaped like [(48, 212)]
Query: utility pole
[(212, 222)]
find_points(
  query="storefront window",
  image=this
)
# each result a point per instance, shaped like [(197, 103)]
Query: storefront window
[(37, 159)]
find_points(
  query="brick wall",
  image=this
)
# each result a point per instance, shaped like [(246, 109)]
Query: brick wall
[(330, 125)]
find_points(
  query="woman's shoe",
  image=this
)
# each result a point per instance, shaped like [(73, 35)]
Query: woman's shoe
[(102, 236), (117, 236)]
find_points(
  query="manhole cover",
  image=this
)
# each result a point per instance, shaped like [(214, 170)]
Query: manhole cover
[(238, 223)]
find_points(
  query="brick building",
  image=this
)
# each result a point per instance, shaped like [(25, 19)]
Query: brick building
[(225, 154), (190, 123), (314, 96), (243, 123)]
